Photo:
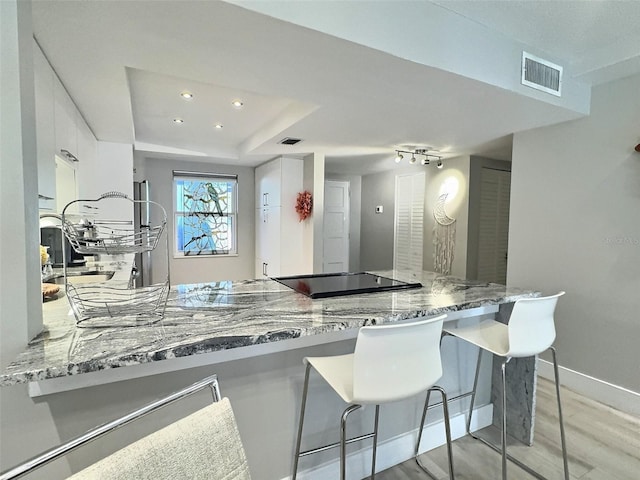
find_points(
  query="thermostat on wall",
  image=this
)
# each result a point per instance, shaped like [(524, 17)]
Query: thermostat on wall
[(379, 209)]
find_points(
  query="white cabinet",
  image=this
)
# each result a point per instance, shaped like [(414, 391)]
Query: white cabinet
[(65, 121), (88, 158), (269, 184), (279, 232), (268, 253), (45, 133), (60, 128)]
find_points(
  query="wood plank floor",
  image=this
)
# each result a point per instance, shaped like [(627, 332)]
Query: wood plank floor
[(602, 443)]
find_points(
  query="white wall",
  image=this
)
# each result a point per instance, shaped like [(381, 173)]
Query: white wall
[(212, 268), (20, 294), (452, 179), (429, 34), (575, 226), (313, 181)]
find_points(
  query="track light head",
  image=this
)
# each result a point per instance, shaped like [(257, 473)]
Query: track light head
[(425, 161), (413, 158), (399, 157), (439, 163)]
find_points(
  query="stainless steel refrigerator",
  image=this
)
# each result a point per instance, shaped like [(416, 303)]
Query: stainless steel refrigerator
[(141, 218)]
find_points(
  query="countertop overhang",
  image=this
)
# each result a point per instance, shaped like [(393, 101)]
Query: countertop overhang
[(227, 315)]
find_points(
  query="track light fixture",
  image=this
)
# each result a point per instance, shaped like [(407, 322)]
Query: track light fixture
[(420, 152)]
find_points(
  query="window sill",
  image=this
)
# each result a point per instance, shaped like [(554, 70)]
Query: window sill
[(190, 257)]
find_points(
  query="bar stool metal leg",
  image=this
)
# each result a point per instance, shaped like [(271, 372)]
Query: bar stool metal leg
[(447, 429), (562, 435), (301, 421), (473, 394), (503, 376), (375, 443), (424, 417), (343, 439)]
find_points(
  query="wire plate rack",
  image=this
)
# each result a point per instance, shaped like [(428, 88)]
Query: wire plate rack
[(113, 240), (109, 236), (109, 304), (101, 303)]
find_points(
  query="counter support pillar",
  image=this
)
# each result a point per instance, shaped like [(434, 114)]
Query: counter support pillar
[(521, 382)]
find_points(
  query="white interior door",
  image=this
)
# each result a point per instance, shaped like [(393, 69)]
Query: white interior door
[(493, 238), (336, 227), (409, 222)]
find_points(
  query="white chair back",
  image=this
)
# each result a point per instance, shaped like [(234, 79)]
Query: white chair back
[(531, 325), (202, 446), (392, 362)]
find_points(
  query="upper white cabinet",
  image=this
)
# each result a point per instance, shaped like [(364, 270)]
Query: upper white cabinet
[(278, 182), (268, 183), (45, 133), (60, 128), (88, 158), (65, 121)]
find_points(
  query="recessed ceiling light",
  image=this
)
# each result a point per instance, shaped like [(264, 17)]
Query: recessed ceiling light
[(187, 95), (178, 120), (237, 103), (218, 126)]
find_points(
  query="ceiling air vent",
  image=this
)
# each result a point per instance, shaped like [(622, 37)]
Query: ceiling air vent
[(541, 74), (290, 141)]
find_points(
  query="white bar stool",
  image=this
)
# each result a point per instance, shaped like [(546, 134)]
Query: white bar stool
[(390, 363), (530, 331)]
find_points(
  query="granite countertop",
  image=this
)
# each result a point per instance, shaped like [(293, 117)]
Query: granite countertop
[(210, 317)]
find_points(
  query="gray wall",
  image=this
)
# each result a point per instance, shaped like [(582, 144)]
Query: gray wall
[(376, 229), (575, 226), (212, 268), (355, 184)]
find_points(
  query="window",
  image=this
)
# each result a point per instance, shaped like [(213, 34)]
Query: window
[(205, 214)]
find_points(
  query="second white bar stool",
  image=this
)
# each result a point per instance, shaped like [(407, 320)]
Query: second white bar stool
[(390, 363), (530, 331)]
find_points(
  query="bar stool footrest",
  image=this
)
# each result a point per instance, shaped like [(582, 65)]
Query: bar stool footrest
[(517, 462), (336, 444)]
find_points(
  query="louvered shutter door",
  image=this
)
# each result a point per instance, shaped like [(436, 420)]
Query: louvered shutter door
[(494, 225), (409, 222)]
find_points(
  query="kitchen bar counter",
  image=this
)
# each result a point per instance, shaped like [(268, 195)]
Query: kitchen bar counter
[(224, 316), (254, 335)]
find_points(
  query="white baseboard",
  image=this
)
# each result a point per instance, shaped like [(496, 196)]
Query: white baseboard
[(398, 449), (617, 397)]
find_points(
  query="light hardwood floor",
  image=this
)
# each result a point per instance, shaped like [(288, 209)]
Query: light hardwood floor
[(602, 443)]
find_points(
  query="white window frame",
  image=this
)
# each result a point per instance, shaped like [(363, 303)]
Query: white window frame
[(233, 215)]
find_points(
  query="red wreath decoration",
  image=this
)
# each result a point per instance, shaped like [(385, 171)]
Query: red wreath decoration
[(304, 205)]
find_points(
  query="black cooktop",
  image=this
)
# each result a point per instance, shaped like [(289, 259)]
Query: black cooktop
[(325, 285)]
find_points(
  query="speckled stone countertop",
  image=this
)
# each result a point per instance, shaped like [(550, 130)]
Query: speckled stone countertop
[(211, 317)]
